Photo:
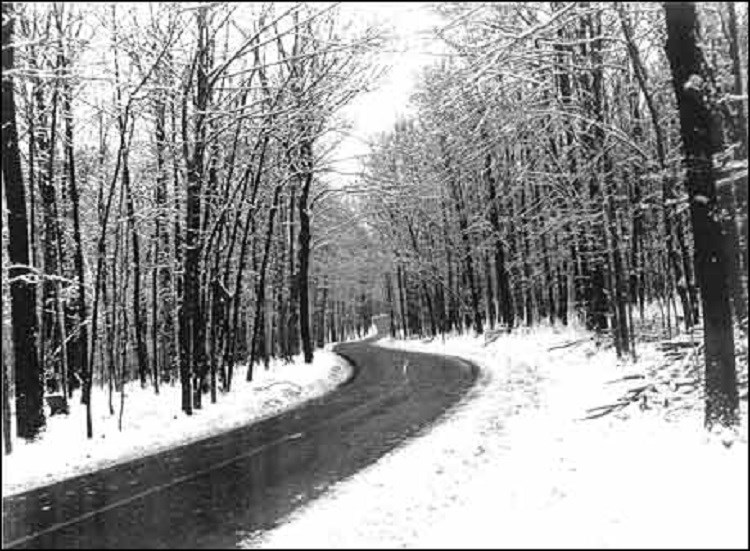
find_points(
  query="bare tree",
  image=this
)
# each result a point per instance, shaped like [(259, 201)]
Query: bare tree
[(698, 122), (28, 372)]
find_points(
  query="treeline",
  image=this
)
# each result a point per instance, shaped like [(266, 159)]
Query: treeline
[(162, 164), (574, 161)]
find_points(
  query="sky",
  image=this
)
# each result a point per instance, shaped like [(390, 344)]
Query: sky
[(376, 111), (410, 49)]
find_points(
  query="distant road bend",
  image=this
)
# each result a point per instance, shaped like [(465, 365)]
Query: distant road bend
[(215, 492)]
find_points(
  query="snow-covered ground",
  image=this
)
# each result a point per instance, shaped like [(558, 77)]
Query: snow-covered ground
[(153, 423), (514, 464)]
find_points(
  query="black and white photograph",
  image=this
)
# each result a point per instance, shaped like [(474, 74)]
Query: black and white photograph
[(351, 275)]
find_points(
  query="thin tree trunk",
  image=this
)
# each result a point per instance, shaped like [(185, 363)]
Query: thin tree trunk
[(237, 296), (139, 322), (49, 335), (400, 284), (192, 340), (160, 199), (293, 335), (260, 289), (83, 330), (735, 55), (7, 439), (303, 260), (467, 256)]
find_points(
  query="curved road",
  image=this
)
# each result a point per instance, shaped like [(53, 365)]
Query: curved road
[(215, 492)]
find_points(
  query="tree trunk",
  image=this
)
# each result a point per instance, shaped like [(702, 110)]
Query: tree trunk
[(467, 256), (138, 320), (260, 288), (50, 337), (501, 274), (28, 373), (697, 120), (192, 323), (304, 254), (160, 200), (7, 438), (83, 330), (734, 53)]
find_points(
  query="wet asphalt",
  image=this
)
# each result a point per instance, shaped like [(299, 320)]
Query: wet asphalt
[(215, 492)]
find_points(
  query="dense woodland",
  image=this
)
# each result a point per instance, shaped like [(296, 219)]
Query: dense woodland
[(169, 214), (551, 174)]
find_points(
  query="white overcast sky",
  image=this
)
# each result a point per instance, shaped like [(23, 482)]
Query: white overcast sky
[(412, 49)]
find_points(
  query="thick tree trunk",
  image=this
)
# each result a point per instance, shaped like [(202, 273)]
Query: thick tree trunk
[(697, 121), (684, 284), (28, 373)]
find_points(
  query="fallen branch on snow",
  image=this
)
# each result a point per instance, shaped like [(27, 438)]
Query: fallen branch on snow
[(289, 383), (627, 378), (567, 344), (631, 396), (606, 409)]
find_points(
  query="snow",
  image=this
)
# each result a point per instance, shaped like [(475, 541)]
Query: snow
[(514, 464), (153, 423)]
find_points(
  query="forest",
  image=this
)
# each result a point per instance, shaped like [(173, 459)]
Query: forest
[(172, 214)]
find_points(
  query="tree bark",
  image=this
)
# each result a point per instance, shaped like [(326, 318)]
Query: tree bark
[(83, 330), (501, 273), (303, 261), (28, 373), (697, 120), (260, 288), (192, 323), (138, 318), (467, 256), (685, 287), (7, 438)]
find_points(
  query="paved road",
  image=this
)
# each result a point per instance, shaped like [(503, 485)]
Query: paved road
[(214, 492)]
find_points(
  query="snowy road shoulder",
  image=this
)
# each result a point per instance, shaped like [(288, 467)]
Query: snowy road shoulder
[(515, 456), (155, 423)]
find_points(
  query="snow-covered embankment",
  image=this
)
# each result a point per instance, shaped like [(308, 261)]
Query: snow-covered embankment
[(152, 423), (514, 464)]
